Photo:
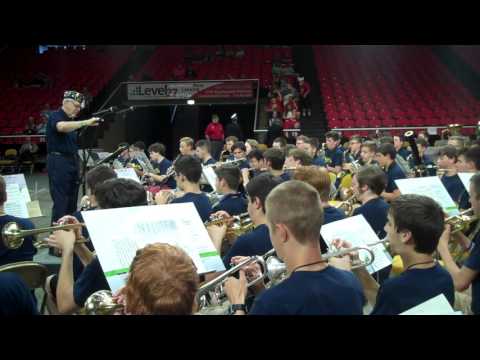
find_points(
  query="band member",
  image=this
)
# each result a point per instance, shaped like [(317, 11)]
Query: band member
[(202, 150), (398, 142), (251, 144), (160, 162), (94, 178), (311, 147), (415, 224), (274, 161), (62, 159), (71, 294), (16, 299), (214, 133), (228, 181), (457, 141), (297, 157), (170, 291), (354, 147), (300, 141), (186, 146), (468, 274), (424, 158), (294, 217), (400, 161), (257, 166), (470, 160), (227, 152), (121, 161), (333, 153), (188, 172), (367, 153), (279, 143), (386, 159), (450, 179), (27, 250), (239, 152), (256, 242)]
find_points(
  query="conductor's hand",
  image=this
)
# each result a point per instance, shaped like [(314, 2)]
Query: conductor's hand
[(94, 121), (236, 289)]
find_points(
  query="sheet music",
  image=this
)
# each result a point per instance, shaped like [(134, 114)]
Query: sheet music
[(116, 242), (127, 173), (22, 184), (357, 231), (34, 209), (15, 205), (438, 305), (432, 187), (465, 177), (211, 176)]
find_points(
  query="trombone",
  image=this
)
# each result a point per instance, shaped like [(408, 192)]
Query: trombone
[(13, 236)]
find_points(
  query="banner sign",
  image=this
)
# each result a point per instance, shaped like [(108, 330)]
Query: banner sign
[(191, 90)]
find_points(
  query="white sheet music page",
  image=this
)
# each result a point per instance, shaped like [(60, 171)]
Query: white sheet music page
[(22, 184), (438, 305), (211, 177), (127, 173), (16, 204), (118, 233), (432, 187), (357, 231), (465, 177)]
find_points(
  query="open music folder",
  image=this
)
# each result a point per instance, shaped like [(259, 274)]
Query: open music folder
[(117, 234)]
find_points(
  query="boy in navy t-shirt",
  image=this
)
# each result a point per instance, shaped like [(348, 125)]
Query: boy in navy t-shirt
[(228, 181), (469, 273), (450, 179), (415, 224), (188, 172), (385, 156), (162, 164), (294, 217)]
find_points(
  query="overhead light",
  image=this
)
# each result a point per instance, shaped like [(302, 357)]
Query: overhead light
[(191, 102)]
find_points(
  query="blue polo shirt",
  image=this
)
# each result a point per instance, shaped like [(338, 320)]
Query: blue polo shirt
[(473, 263), (411, 288), (318, 161), (327, 292), (163, 166), (210, 161), (234, 204), (394, 172), (60, 142), (24, 252), (201, 202), (334, 157), (91, 279), (404, 153), (375, 211), (16, 299), (256, 242), (455, 188)]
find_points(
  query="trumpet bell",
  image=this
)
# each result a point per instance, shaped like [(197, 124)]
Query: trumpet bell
[(276, 269), (12, 236), (101, 303)]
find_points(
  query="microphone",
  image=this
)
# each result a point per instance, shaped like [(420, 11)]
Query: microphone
[(106, 111), (131, 108)]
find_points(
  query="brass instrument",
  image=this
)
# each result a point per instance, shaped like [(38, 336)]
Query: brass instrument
[(242, 224), (13, 236), (347, 205), (214, 198), (100, 303), (462, 221), (230, 162)]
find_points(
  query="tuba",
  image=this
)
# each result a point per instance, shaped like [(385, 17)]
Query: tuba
[(13, 236)]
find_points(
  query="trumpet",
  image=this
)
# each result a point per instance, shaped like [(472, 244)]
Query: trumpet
[(242, 224), (13, 236), (347, 205), (231, 162), (214, 198), (100, 303), (462, 221)]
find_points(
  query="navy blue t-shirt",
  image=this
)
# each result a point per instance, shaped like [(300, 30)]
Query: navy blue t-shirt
[(57, 141), (318, 161), (201, 202), (234, 204), (331, 214), (284, 177), (16, 299), (457, 191), (375, 211), (256, 242), (334, 157), (24, 252), (473, 263), (92, 279), (210, 161), (163, 166), (411, 288), (394, 172), (327, 292), (404, 153)]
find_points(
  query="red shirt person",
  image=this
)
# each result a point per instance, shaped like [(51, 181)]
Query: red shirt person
[(214, 132), (305, 96)]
